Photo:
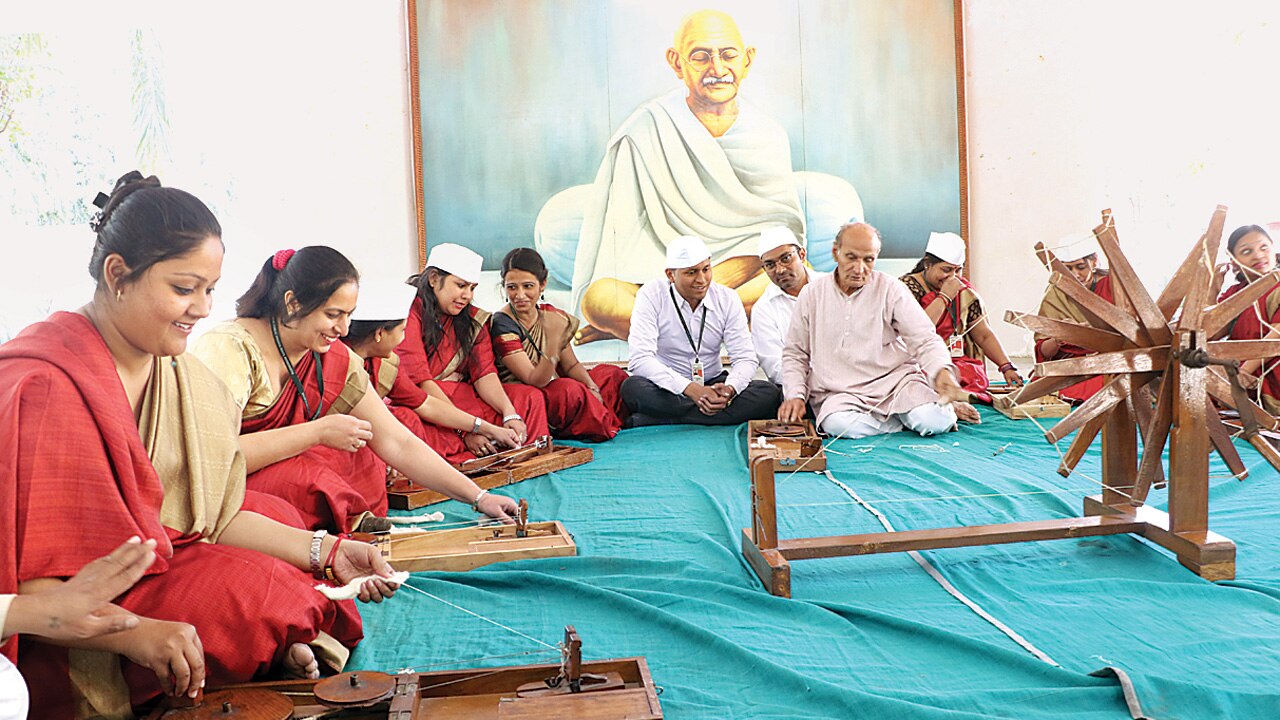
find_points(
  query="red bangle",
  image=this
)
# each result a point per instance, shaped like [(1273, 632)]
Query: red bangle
[(333, 553), (1007, 367)]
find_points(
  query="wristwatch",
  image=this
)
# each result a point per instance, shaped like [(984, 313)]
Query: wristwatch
[(476, 424)]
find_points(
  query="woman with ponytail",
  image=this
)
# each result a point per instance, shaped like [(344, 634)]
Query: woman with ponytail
[(111, 432), (448, 353), (311, 432)]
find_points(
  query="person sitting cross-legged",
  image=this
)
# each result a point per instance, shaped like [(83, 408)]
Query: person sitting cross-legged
[(678, 328), (862, 350)]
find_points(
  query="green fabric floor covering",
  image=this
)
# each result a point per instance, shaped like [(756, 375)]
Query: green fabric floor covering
[(657, 518)]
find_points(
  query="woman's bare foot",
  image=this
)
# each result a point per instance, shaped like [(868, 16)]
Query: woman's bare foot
[(300, 662)]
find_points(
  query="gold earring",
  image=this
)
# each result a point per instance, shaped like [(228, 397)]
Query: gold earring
[(119, 296)]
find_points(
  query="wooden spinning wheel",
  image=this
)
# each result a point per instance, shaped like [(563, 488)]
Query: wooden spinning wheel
[(1163, 366), (1162, 363)]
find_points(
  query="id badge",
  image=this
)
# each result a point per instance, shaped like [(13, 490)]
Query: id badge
[(956, 346), (698, 374)]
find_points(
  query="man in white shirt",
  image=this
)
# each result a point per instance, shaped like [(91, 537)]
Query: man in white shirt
[(678, 328), (783, 260)]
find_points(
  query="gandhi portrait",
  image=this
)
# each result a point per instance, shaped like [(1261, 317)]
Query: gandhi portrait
[(700, 160)]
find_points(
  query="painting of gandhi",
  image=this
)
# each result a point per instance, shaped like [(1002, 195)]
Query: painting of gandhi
[(699, 160)]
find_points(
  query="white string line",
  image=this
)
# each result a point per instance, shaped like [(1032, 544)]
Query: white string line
[(481, 617), (939, 498), (942, 581)]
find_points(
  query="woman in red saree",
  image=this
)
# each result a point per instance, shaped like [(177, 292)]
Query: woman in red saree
[(1254, 255), (952, 304), (531, 341), (377, 327), (112, 432), (311, 432), (447, 352)]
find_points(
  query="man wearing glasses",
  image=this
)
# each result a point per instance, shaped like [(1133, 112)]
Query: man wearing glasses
[(783, 260)]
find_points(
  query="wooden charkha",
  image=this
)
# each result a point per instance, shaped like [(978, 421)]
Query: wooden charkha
[(794, 446), (1163, 364), (462, 549), (539, 457), (583, 690)]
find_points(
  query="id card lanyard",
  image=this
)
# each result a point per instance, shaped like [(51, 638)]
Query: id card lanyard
[(698, 375), (956, 342)]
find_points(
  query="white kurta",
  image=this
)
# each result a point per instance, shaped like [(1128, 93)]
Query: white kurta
[(665, 175), (873, 351), (770, 319)]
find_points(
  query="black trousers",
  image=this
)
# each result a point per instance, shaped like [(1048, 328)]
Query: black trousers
[(651, 405)]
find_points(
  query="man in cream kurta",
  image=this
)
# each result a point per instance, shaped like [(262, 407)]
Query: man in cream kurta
[(862, 351)]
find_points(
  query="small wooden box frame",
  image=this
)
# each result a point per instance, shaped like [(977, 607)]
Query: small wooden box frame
[(790, 453), (494, 472), (472, 694), (462, 549)]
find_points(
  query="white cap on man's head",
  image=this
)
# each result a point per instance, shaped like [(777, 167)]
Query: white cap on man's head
[(456, 260), (775, 237), (946, 246), (686, 251), (384, 302), (1075, 246)]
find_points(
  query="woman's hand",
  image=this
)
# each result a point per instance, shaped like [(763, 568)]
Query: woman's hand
[(478, 444), (595, 391), (522, 432), (506, 437), (951, 287), (357, 559), (499, 507), (172, 651), (1012, 377), (81, 608), (344, 432)]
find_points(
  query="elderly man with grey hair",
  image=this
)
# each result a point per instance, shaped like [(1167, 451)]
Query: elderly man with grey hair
[(863, 352)]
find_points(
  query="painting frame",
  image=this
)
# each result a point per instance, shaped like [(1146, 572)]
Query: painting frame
[(418, 148)]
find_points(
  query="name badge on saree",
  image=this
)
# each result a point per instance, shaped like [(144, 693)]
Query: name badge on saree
[(698, 375), (956, 346)]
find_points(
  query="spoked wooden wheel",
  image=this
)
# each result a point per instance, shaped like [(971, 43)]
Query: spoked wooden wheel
[(1162, 365)]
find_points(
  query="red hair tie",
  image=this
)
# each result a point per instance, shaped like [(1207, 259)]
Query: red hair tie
[(281, 258)]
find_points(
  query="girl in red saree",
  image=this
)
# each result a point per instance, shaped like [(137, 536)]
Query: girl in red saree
[(311, 432), (531, 341), (1254, 255), (952, 304), (377, 327), (111, 432), (447, 352)]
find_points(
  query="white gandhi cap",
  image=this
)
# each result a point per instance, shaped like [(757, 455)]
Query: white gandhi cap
[(947, 247), (384, 302), (1075, 246), (775, 237), (456, 260), (686, 251)]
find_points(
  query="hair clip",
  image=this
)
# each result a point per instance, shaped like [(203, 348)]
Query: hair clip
[(281, 258), (95, 222)]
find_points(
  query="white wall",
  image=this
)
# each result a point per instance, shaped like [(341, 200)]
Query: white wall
[(1158, 110), (291, 119)]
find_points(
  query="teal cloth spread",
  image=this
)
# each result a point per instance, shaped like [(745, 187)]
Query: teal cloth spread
[(659, 573)]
